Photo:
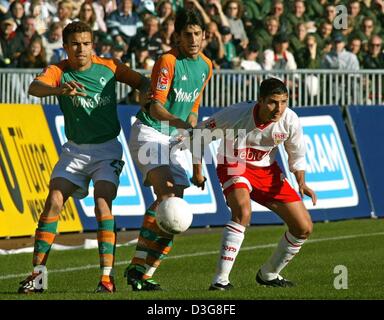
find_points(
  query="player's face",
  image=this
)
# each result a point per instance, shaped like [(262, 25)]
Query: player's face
[(272, 107), (79, 50), (190, 40)]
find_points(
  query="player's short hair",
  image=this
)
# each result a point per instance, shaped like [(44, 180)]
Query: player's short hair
[(272, 86), (188, 17), (76, 27)]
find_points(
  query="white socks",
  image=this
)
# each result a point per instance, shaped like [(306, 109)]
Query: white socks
[(233, 237), (287, 248)]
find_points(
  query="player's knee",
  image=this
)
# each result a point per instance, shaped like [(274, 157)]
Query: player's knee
[(303, 231), (54, 203), (241, 214)]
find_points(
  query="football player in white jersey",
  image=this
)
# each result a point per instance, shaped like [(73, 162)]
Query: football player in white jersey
[(251, 132)]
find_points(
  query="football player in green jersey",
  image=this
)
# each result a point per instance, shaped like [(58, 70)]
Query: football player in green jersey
[(177, 83), (85, 87)]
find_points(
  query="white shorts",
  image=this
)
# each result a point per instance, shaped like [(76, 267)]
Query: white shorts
[(150, 149), (79, 163)]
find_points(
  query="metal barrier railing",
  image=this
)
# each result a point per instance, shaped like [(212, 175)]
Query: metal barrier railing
[(306, 87)]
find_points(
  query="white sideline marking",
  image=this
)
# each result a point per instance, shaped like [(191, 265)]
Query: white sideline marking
[(188, 255)]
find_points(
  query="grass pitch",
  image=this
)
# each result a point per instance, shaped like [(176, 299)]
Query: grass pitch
[(187, 272)]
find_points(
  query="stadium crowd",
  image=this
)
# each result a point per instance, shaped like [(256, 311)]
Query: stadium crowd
[(249, 34)]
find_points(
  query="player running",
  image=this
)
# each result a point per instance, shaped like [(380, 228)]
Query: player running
[(85, 86)]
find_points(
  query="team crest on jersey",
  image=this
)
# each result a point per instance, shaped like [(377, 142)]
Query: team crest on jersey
[(279, 137), (203, 76), (163, 79), (103, 82)]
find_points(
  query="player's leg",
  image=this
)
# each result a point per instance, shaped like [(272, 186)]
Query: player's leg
[(153, 243), (59, 191), (104, 193), (299, 223), (233, 235)]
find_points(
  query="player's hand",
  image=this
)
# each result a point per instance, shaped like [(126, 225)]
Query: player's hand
[(305, 190), (72, 88), (199, 181)]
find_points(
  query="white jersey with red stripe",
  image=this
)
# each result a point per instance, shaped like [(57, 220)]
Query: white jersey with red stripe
[(254, 144)]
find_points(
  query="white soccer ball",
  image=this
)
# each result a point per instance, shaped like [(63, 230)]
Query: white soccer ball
[(174, 215)]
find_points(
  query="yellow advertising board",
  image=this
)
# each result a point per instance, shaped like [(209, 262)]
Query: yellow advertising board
[(27, 157)]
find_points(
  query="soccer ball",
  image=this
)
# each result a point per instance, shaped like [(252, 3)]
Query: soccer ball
[(174, 215)]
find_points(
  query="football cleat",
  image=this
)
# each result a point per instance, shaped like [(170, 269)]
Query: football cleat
[(28, 285), (277, 282), (221, 287), (134, 275), (106, 287)]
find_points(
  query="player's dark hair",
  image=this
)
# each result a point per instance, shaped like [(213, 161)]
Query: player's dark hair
[(188, 17), (76, 27), (272, 86)]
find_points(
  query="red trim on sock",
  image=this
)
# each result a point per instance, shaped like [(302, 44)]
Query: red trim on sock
[(234, 229), (286, 238)]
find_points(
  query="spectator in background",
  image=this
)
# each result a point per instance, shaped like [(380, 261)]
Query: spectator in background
[(123, 23), (17, 11), (53, 40), (213, 46), (374, 58), (10, 45), (230, 54), (118, 52), (365, 32), (279, 58), (34, 56), (102, 9), (277, 11), (104, 46), (265, 35), (64, 13), (249, 57), (234, 10), (324, 34), (309, 57), (215, 12), (195, 4), (87, 15), (355, 46), (166, 33), (149, 37), (297, 42), (339, 58), (41, 21), (27, 31), (164, 10), (297, 15)]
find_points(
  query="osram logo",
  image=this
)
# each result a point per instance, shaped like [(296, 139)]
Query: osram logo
[(327, 169)]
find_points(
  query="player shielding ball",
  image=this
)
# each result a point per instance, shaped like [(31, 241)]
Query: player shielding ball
[(85, 86), (177, 83), (247, 170)]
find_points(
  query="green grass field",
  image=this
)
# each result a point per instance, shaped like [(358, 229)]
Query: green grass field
[(187, 272)]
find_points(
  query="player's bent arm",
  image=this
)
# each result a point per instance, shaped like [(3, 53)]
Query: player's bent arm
[(158, 112), (40, 89)]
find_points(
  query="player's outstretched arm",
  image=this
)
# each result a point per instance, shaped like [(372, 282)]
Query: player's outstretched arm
[(40, 89), (303, 188)]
